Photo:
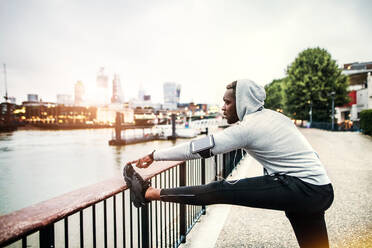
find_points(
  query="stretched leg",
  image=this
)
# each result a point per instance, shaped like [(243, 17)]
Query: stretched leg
[(280, 193), (310, 229), (303, 203)]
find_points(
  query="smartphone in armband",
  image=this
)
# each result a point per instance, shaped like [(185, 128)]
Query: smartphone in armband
[(202, 144)]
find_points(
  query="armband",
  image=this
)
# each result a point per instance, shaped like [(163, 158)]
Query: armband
[(203, 146)]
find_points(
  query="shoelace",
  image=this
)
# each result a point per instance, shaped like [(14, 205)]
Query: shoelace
[(144, 183)]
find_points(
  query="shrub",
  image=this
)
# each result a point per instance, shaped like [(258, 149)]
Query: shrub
[(366, 121)]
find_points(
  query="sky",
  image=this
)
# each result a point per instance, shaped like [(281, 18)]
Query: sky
[(49, 45)]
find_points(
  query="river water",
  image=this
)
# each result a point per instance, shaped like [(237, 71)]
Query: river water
[(36, 165)]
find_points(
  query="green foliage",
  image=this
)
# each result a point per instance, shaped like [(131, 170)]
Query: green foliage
[(275, 94), (366, 121), (311, 78)]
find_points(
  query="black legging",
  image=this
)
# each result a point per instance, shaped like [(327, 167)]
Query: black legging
[(303, 203)]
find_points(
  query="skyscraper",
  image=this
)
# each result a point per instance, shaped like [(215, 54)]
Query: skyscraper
[(102, 92), (117, 93), (102, 80), (79, 93), (172, 92)]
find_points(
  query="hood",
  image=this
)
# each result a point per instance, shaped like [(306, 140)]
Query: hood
[(249, 97)]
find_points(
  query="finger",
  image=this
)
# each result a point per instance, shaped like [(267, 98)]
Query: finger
[(144, 163), (135, 162), (138, 164), (148, 161)]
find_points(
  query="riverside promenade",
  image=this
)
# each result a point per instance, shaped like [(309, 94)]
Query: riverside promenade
[(347, 157)]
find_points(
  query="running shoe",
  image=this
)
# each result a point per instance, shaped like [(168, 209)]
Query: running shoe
[(136, 184)]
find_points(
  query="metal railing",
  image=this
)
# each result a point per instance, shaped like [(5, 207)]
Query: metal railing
[(101, 215)]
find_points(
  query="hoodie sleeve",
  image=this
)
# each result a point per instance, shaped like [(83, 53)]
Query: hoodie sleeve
[(176, 153), (227, 140), (230, 139)]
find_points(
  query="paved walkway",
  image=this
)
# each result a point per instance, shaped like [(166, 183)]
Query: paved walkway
[(348, 159)]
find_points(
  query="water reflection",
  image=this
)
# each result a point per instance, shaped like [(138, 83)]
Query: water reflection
[(118, 150), (5, 136), (38, 165)]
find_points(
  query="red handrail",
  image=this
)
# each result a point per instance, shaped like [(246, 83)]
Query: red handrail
[(19, 223)]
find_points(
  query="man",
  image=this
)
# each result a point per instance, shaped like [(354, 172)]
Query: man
[(295, 180)]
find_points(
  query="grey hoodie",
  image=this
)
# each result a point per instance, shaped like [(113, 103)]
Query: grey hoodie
[(268, 136)]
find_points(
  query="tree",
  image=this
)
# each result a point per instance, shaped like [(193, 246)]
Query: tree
[(275, 94), (312, 77)]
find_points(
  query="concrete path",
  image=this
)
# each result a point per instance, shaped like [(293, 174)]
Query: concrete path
[(348, 159)]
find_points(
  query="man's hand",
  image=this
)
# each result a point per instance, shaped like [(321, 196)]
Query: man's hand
[(144, 162)]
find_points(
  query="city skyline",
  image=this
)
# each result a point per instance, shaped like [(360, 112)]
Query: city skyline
[(50, 45)]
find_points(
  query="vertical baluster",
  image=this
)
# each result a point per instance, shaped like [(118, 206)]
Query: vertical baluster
[(193, 179), (81, 229), (169, 212), (173, 209), (177, 213), (165, 212), (114, 212), (161, 216), (203, 180), (187, 183), (24, 242), (123, 213), (94, 225), (138, 228), (151, 228), (131, 223), (46, 236), (189, 207), (145, 226), (224, 165), (156, 215), (66, 232), (182, 176), (105, 222), (190, 183), (216, 167)]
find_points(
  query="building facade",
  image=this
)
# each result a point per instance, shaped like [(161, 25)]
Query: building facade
[(172, 92), (64, 99), (32, 98), (102, 92), (79, 93), (117, 93), (360, 91)]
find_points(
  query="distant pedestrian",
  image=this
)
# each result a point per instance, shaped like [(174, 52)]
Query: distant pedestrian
[(294, 181)]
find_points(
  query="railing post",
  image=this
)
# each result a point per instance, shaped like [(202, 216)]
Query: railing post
[(203, 181), (145, 225), (183, 206), (46, 236)]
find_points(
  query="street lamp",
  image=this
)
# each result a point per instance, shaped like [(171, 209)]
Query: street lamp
[(311, 111), (333, 108)]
